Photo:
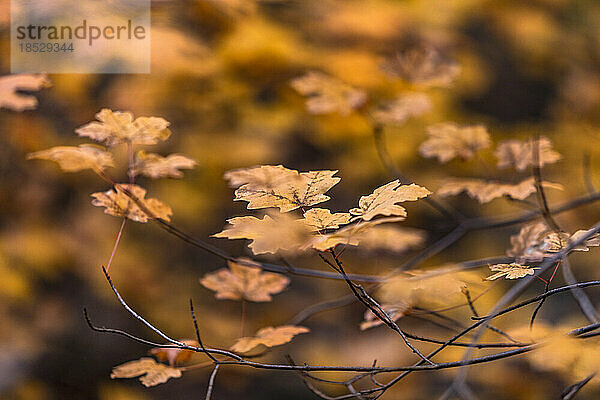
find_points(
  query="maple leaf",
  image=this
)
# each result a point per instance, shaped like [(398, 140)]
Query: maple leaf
[(276, 186), (271, 234), (510, 271), (486, 191), (319, 219), (268, 337), (448, 140), (155, 166), (394, 311), (422, 65), (383, 200), (11, 85), (150, 372), (119, 204), (519, 154), (117, 127), (327, 94), (174, 355), (73, 159), (244, 282), (402, 108)]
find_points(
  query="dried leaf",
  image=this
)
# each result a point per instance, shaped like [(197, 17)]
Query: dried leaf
[(422, 65), (383, 200), (150, 372), (174, 355), (117, 127), (448, 140), (486, 191), (327, 94), (244, 282), (73, 159), (394, 311), (271, 234), (12, 85), (319, 219), (155, 166), (119, 204), (401, 109), (276, 186), (510, 271), (519, 154), (269, 337)]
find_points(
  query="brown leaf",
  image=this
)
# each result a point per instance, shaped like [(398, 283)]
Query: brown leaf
[(319, 219), (486, 191), (383, 200), (73, 159), (269, 337), (244, 282), (400, 110), (174, 355), (276, 186), (448, 140), (10, 86), (519, 154), (510, 271), (117, 127), (327, 94), (150, 372), (155, 166), (119, 204)]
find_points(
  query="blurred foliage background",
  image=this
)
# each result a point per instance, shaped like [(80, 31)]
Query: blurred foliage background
[(220, 75)]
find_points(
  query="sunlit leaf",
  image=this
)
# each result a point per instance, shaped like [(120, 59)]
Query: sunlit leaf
[(319, 219), (268, 337), (174, 355), (244, 282), (11, 85), (486, 191), (155, 166), (402, 108), (150, 372), (394, 311), (73, 159), (119, 204), (448, 140), (510, 271), (519, 154)]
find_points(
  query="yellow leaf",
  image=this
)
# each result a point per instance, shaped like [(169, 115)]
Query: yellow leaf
[(268, 337), (486, 191), (519, 154), (270, 234), (448, 140), (73, 159), (174, 355), (150, 372), (155, 166), (117, 127), (402, 108), (276, 186), (244, 282), (383, 200), (327, 94), (510, 271), (10, 86), (319, 219), (119, 204)]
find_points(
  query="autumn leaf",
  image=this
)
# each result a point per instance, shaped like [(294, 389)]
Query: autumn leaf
[(119, 204), (519, 154), (402, 108), (349, 235), (268, 337), (155, 166), (448, 140), (486, 191), (510, 271), (150, 372), (422, 65), (327, 94), (12, 85), (394, 311), (391, 238), (384, 199), (276, 186), (243, 281), (117, 127), (271, 234), (319, 219), (174, 355), (73, 159)]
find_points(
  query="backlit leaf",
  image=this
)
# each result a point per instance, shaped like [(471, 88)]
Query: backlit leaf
[(73, 159), (119, 204), (486, 191), (448, 140), (394, 311), (268, 337), (150, 372), (174, 355), (402, 108), (319, 219), (10, 85), (519, 154), (155, 166), (510, 271)]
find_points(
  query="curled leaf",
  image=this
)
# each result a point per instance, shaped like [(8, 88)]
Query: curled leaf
[(244, 282), (174, 355), (327, 94), (73, 159), (115, 127), (155, 166), (12, 85), (268, 337), (519, 154), (150, 372), (510, 271), (401, 109), (119, 204), (448, 140), (486, 191)]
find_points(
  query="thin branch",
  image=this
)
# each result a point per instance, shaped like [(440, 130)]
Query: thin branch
[(211, 382)]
